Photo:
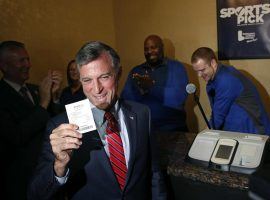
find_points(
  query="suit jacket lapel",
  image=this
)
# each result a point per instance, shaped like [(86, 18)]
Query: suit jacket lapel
[(34, 93), (9, 90), (130, 120), (106, 163), (90, 142), (12, 94)]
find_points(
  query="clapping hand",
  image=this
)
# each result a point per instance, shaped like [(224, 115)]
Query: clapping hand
[(49, 87), (45, 91), (145, 82), (56, 78)]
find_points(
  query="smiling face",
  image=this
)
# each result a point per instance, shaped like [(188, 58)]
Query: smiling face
[(204, 69), (15, 65), (100, 81), (153, 50)]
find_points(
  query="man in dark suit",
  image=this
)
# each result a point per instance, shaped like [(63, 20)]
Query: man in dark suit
[(23, 112), (89, 165)]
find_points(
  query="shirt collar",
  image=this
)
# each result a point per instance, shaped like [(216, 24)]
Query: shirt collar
[(14, 85), (162, 64), (216, 74), (99, 114)]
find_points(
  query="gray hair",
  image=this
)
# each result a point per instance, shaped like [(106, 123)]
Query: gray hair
[(93, 50)]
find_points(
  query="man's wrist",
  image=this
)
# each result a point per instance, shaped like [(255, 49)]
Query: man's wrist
[(59, 169)]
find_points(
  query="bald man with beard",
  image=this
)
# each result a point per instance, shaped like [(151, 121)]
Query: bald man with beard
[(160, 84)]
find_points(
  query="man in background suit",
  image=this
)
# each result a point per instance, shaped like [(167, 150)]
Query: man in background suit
[(85, 166), (23, 118)]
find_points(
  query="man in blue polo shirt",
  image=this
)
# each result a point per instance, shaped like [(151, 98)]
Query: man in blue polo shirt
[(235, 102), (160, 84)]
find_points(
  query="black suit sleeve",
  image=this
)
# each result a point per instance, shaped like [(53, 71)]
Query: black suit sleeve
[(19, 129), (44, 184)]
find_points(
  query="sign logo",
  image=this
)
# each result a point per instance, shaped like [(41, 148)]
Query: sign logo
[(247, 15), (248, 37)]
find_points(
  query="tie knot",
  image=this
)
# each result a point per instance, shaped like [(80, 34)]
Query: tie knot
[(109, 116), (112, 123), (23, 90)]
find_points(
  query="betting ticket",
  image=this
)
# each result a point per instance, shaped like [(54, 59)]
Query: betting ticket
[(80, 113)]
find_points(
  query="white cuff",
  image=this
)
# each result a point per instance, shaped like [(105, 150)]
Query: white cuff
[(62, 180)]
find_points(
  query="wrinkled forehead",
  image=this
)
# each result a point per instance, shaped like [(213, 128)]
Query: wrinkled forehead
[(102, 63)]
